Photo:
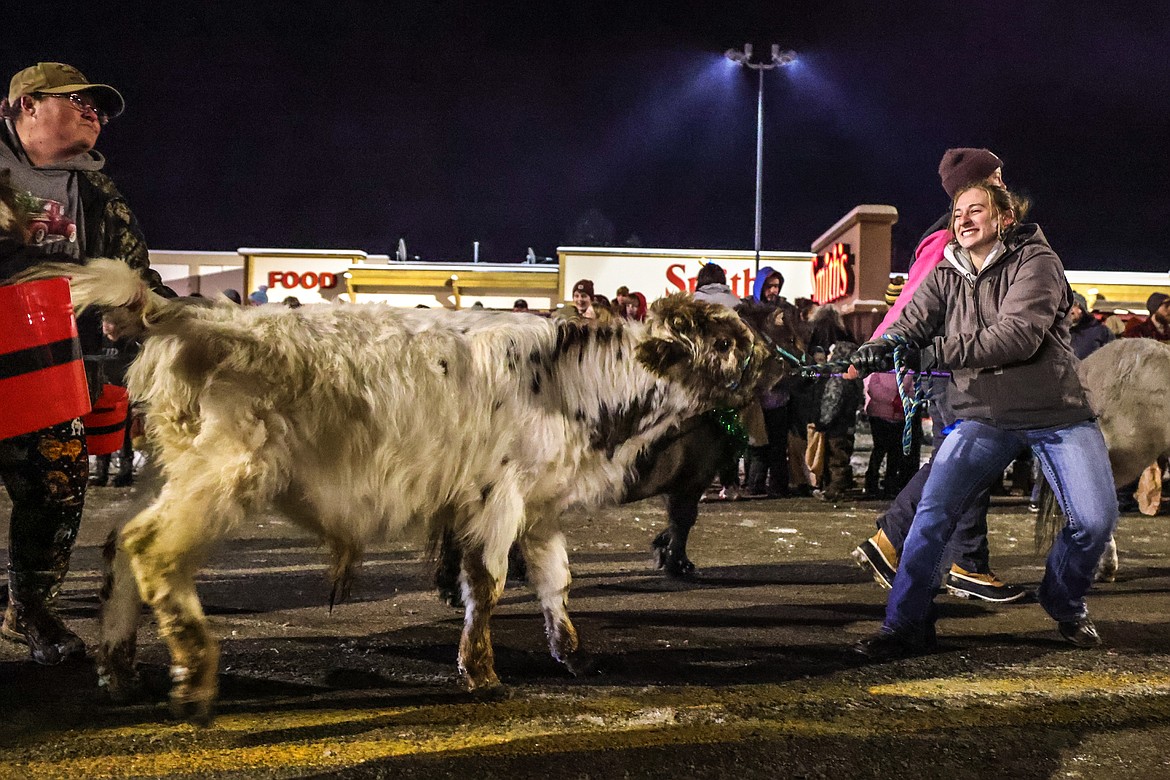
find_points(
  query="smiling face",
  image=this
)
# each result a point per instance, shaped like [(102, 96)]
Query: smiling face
[(976, 222), (581, 300)]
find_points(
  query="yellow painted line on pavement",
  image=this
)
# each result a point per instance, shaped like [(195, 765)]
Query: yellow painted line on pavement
[(1079, 684), (335, 752), (284, 740), (252, 722)]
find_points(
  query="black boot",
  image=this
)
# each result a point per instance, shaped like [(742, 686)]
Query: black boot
[(30, 618), (101, 471), (125, 475)]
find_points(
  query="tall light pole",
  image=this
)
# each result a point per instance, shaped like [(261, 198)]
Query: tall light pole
[(745, 58)]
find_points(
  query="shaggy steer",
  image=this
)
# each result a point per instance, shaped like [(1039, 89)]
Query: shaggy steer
[(680, 465), (1126, 381), (358, 422)]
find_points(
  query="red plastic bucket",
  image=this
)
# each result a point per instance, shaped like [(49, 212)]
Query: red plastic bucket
[(105, 426), (42, 378)]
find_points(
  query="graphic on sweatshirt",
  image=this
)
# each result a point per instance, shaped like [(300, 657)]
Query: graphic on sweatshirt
[(47, 221)]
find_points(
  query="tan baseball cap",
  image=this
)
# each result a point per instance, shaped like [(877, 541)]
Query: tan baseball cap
[(57, 78)]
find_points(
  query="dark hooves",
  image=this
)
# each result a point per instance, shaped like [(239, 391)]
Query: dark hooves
[(582, 664), (452, 597), (197, 713), (680, 568), (496, 692), (131, 691), (675, 564)]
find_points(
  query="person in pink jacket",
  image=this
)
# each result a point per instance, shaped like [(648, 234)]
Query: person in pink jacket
[(887, 418)]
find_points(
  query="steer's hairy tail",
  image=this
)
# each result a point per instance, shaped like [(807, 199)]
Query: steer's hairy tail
[(1050, 520), (110, 284)]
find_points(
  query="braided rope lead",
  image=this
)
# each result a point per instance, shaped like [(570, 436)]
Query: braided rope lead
[(912, 401)]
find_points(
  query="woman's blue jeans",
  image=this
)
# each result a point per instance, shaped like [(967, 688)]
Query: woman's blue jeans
[(1076, 462)]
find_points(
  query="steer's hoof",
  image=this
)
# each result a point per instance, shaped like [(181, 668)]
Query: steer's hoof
[(122, 686), (581, 664), (680, 568), (452, 597), (198, 712), (494, 692)]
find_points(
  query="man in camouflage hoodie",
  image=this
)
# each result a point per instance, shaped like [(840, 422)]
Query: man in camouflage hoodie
[(53, 116)]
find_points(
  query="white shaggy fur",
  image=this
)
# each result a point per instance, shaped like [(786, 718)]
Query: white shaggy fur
[(1128, 381), (361, 421)]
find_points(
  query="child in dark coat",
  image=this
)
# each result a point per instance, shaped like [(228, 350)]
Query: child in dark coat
[(838, 402)]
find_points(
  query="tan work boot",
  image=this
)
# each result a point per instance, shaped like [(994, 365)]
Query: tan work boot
[(878, 556), (985, 587)]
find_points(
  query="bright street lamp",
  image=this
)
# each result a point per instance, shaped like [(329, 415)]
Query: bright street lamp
[(745, 58)]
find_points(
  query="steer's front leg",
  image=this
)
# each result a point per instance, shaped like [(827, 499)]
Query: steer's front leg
[(548, 573)]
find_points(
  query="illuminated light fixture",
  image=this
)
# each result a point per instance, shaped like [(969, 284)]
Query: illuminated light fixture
[(778, 59)]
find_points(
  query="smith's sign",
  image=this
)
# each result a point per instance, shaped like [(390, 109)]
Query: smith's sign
[(833, 274)]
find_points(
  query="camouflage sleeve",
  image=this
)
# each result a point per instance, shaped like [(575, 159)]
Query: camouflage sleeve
[(118, 233), (124, 237)]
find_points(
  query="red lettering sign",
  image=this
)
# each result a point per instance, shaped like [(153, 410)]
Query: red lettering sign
[(308, 281), (678, 281), (674, 277), (833, 274)]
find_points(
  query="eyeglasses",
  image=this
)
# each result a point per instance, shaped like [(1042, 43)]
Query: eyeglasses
[(81, 102)]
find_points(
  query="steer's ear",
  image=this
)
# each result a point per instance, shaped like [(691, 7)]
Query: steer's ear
[(660, 355)]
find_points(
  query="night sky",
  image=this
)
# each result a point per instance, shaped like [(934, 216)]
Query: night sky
[(350, 124)]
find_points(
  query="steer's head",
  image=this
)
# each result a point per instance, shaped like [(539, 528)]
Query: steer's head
[(704, 347)]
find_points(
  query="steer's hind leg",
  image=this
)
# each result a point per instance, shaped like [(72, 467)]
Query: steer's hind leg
[(484, 572), (682, 510), (166, 544), (548, 573), (487, 533), (1107, 566)]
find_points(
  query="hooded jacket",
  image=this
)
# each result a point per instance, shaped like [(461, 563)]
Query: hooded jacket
[(761, 277), (1003, 333), (107, 227)]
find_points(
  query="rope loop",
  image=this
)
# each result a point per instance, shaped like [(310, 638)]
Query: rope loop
[(912, 399)]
